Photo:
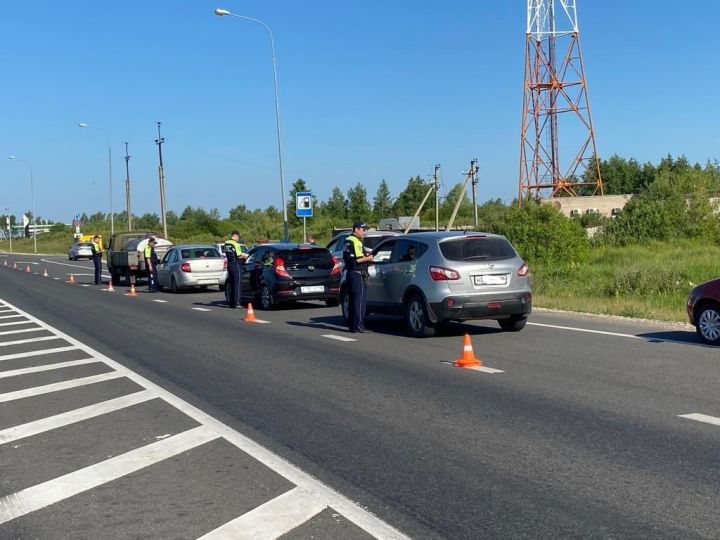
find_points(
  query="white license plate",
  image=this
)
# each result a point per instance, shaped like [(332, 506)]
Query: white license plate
[(312, 289), (207, 281), (490, 279)]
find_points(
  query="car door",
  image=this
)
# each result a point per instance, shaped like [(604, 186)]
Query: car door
[(164, 268), (248, 275), (376, 296), (401, 271)]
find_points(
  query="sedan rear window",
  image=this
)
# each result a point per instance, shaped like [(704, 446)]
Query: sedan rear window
[(315, 256), (477, 249), (199, 253)]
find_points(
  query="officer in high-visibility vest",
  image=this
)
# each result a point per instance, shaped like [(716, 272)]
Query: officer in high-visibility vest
[(151, 261), (356, 266), (97, 251), (235, 257)]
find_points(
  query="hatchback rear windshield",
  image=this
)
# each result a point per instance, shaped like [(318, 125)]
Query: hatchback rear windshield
[(313, 256), (199, 253), (477, 249)]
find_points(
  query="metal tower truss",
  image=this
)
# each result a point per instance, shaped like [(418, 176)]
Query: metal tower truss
[(556, 99)]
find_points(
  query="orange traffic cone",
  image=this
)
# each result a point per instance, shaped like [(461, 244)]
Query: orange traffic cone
[(250, 315), (5, 262), (468, 356), (72, 278), (45, 274), (14, 266), (132, 290), (27, 268), (110, 287)]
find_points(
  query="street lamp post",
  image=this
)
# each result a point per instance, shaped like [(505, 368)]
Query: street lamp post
[(32, 199), (9, 224), (112, 219), (220, 13)]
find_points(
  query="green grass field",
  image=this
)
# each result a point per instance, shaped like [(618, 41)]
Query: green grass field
[(649, 282)]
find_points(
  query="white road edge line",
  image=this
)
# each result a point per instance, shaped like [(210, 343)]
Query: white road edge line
[(37, 353), (41, 495), (71, 417), (47, 367), (338, 338), (273, 519), (615, 334), (702, 418), (325, 494), (55, 387)]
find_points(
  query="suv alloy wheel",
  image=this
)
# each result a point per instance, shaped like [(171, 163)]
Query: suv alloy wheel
[(416, 317)]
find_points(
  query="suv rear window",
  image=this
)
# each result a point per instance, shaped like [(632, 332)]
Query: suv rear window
[(477, 249), (319, 257)]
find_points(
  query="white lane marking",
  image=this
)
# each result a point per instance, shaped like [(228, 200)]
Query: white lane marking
[(73, 265), (485, 369), (702, 418), (260, 321), (71, 417), (14, 323), (338, 338), (41, 495), (10, 316), (161, 301), (36, 273), (273, 519), (56, 278), (48, 367), (327, 495), (23, 331), (37, 353), (23, 341), (200, 309), (55, 387)]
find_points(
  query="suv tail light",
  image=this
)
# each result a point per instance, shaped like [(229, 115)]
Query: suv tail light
[(438, 273), (524, 270), (280, 267), (185, 267), (336, 267)]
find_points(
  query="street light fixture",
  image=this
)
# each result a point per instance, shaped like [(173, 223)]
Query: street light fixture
[(220, 13), (112, 219), (32, 199)]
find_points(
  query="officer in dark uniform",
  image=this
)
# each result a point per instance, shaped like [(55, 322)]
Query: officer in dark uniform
[(96, 246), (356, 266), (151, 261), (235, 257)]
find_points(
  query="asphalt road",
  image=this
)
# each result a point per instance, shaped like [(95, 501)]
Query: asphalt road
[(579, 435)]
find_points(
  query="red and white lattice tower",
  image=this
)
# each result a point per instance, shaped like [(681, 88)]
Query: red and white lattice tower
[(556, 99)]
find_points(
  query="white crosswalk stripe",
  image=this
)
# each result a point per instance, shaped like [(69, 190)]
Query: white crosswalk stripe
[(272, 518)]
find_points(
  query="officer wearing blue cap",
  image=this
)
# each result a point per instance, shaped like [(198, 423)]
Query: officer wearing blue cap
[(356, 265)]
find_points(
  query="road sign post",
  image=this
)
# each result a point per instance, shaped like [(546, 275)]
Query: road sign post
[(304, 209)]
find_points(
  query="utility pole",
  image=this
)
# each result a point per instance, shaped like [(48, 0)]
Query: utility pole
[(127, 188), (436, 183), (474, 180), (161, 173)]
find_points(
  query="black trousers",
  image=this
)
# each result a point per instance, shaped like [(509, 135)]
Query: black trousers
[(357, 301), (97, 262), (153, 280), (234, 285)]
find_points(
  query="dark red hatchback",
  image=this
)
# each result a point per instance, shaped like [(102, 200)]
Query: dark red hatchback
[(703, 308)]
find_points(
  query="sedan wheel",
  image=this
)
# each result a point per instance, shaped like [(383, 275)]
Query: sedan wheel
[(345, 305), (708, 324), (266, 301), (417, 319), (173, 286)]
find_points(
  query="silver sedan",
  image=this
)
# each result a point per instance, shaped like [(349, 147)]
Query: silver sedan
[(185, 267)]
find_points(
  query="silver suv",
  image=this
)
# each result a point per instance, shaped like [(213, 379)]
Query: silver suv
[(434, 277)]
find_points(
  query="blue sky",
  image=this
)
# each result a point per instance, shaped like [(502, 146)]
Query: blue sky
[(368, 90)]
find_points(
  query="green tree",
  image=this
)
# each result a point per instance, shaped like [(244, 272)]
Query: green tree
[(410, 198), (336, 205), (358, 205), (382, 202), (298, 186)]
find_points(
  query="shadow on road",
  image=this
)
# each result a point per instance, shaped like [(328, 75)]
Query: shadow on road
[(677, 336)]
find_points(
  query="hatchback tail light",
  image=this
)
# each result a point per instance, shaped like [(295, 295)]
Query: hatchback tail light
[(185, 267), (225, 264), (438, 273), (280, 267), (336, 267), (524, 270)]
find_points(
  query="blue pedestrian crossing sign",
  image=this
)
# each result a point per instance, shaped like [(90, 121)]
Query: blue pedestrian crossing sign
[(303, 204)]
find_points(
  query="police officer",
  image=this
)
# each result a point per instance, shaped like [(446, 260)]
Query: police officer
[(151, 261), (235, 257), (356, 265), (97, 251)]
